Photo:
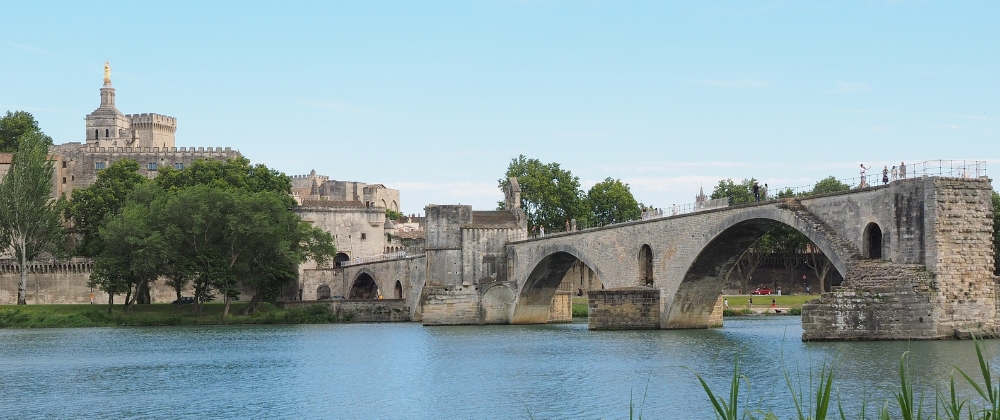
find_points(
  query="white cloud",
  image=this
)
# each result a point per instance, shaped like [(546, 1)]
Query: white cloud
[(848, 88)]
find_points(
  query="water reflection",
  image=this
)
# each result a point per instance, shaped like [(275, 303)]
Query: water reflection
[(410, 371)]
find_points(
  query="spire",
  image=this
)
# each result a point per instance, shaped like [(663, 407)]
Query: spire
[(107, 92)]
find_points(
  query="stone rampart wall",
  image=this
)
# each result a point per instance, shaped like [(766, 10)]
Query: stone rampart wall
[(382, 310)]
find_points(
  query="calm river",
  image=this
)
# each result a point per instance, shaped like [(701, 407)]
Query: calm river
[(407, 371)]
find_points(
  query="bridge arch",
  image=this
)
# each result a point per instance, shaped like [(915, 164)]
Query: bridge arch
[(532, 301), (323, 292), (692, 302), (364, 286)]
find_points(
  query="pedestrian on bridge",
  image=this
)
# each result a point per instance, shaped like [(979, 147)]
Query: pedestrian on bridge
[(864, 176), (885, 175), (902, 170), (895, 173), (756, 191)]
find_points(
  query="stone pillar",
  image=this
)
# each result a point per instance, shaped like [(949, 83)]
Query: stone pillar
[(631, 308)]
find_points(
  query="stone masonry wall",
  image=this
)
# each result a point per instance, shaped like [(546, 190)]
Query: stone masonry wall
[(450, 307), (960, 254), (62, 283), (382, 310), (624, 309), (408, 271), (561, 311)]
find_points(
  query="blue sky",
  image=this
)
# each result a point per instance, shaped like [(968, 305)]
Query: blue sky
[(436, 98)]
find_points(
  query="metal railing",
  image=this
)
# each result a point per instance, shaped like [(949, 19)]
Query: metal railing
[(375, 258), (939, 168)]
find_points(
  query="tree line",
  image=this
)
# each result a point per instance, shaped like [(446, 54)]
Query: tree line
[(217, 227), (552, 196)]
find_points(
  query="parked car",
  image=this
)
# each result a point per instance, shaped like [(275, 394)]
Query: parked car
[(761, 291), (184, 300)]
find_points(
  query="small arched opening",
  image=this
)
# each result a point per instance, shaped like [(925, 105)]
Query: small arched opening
[(340, 258), (97, 134), (646, 265), (364, 287), (322, 292), (397, 292), (107, 132), (873, 241)]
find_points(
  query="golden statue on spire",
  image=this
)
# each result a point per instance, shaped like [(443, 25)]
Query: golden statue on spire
[(107, 71)]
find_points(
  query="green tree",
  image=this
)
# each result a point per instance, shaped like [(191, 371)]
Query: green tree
[(16, 124), (736, 193), (132, 257), (829, 185), (611, 201), (549, 195), (233, 173), (105, 198), (30, 221), (391, 214)]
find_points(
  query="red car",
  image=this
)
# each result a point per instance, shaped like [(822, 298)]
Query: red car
[(760, 291)]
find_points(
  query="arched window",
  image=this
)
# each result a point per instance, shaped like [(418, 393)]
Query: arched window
[(322, 292), (873, 241), (397, 292), (107, 133), (96, 134), (646, 265)]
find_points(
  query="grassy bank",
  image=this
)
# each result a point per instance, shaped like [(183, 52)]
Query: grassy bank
[(68, 316), (737, 304)]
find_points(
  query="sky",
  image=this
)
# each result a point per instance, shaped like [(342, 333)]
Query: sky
[(436, 98)]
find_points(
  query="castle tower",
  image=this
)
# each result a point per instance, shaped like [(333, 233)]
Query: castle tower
[(701, 198), (106, 126)]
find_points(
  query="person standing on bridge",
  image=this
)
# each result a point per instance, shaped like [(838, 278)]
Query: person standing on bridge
[(756, 191), (763, 192), (895, 173), (885, 175), (902, 170), (864, 176), (541, 231)]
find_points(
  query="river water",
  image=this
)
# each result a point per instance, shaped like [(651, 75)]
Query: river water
[(408, 371)]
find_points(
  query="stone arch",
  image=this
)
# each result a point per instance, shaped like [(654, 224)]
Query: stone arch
[(364, 286), (533, 299), (872, 241), (383, 205), (323, 292), (497, 300), (645, 266), (397, 291), (394, 206), (96, 134), (692, 303), (340, 258)]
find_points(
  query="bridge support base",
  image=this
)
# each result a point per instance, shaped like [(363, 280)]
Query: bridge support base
[(633, 308)]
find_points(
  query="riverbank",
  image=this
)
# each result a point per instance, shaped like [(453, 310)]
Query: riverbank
[(159, 314), (739, 305)]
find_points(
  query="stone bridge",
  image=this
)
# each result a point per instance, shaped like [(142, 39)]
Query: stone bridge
[(916, 257)]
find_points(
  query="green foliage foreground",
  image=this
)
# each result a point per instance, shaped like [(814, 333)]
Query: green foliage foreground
[(81, 316), (905, 403)]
